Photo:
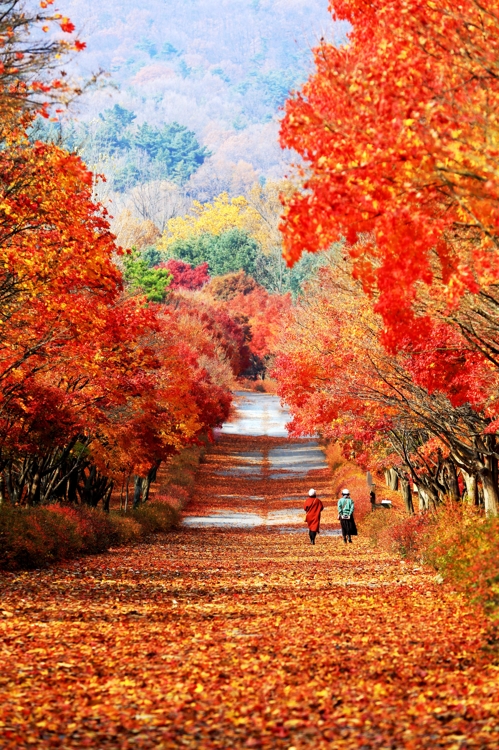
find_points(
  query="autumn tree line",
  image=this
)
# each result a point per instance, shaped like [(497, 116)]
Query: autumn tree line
[(122, 335), (111, 360), (394, 351)]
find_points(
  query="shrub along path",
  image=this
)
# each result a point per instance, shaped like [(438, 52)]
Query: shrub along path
[(240, 638)]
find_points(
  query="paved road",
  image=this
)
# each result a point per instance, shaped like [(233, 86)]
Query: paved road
[(259, 414), (272, 476)]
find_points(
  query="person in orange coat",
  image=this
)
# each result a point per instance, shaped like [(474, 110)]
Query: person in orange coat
[(313, 508)]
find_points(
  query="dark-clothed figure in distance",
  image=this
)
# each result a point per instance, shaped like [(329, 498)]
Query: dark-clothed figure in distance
[(372, 497), (346, 509), (313, 508)]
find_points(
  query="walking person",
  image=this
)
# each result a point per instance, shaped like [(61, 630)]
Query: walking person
[(346, 509), (313, 508)]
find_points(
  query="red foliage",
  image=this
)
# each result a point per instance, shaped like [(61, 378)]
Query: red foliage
[(395, 129), (215, 330), (35, 537), (257, 312), (67, 26), (265, 314), (408, 535), (186, 276), (32, 78)]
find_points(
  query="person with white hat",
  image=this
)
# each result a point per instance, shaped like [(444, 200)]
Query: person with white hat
[(313, 508), (346, 507)]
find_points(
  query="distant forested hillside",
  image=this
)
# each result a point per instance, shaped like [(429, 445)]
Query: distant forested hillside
[(220, 68), (187, 120)]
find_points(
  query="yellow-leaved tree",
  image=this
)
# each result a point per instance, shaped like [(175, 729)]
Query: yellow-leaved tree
[(214, 218), (258, 214)]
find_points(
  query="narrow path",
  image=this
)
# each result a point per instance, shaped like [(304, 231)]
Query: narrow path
[(243, 635)]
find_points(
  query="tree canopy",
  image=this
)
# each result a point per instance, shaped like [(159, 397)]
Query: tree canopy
[(233, 250), (399, 142)]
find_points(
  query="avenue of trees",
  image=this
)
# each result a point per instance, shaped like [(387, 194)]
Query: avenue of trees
[(122, 335), (394, 352)]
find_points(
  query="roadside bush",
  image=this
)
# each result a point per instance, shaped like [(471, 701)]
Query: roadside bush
[(457, 541), (410, 536), (126, 530), (177, 476), (394, 531), (176, 497), (269, 385), (35, 537), (94, 529), (378, 526), (463, 547), (155, 517), (62, 532)]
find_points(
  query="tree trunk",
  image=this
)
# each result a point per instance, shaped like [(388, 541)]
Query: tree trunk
[(391, 478), (87, 487), (121, 493), (137, 491), (35, 493), (72, 485), (423, 499), (433, 496), (406, 492), (490, 493), (451, 480), (100, 491), (107, 498), (470, 480), (12, 490), (146, 483)]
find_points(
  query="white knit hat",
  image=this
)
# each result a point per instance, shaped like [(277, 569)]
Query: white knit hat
[(311, 493), (345, 492)]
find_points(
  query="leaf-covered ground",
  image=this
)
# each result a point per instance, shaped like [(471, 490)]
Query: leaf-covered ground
[(218, 638)]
